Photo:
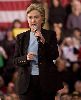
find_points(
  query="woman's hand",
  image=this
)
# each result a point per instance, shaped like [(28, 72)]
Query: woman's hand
[(40, 36), (30, 56)]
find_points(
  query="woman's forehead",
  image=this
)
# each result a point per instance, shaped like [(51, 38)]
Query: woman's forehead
[(34, 13)]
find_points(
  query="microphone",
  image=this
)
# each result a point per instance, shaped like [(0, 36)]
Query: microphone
[(35, 28), (36, 31)]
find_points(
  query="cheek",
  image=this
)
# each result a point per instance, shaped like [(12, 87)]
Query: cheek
[(29, 23), (40, 21), (28, 20)]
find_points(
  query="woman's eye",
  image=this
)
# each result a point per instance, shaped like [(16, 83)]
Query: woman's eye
[(30, 17), (37, 16)]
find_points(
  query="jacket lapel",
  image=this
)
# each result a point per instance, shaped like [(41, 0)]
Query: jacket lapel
[(26, 42), (26, 38), (46, 35)]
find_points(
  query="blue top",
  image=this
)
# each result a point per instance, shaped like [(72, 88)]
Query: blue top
[(33, 47)]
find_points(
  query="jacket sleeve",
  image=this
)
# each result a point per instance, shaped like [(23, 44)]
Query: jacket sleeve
[(19, 60), (54, 53)]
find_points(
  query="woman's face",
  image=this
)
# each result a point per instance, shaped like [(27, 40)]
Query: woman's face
[(56, 3), (34, 18)]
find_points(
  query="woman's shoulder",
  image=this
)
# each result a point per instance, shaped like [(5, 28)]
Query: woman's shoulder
[(48, 31), (21, 35)]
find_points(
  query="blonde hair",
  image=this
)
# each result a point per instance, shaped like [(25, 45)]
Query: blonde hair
[(37, 7)]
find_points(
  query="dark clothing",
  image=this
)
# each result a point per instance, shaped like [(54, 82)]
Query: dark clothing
[(47, 52), (56, 15), (9, 69), (35, 92), (9, 46), (64, 76), (75, 76)]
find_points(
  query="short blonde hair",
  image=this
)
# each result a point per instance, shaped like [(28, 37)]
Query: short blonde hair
[(39, 8)]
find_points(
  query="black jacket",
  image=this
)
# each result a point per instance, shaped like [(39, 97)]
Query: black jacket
[(47, 52)]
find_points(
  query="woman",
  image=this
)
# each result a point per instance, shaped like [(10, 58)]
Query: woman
[(35, 51), (57, 14)]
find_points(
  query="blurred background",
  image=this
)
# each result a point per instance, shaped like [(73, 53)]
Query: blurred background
[(61, 16)]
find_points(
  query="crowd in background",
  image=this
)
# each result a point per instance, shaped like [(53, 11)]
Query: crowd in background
[(64, 17)]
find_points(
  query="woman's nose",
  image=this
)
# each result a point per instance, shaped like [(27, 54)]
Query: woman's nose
[(33, 19)]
